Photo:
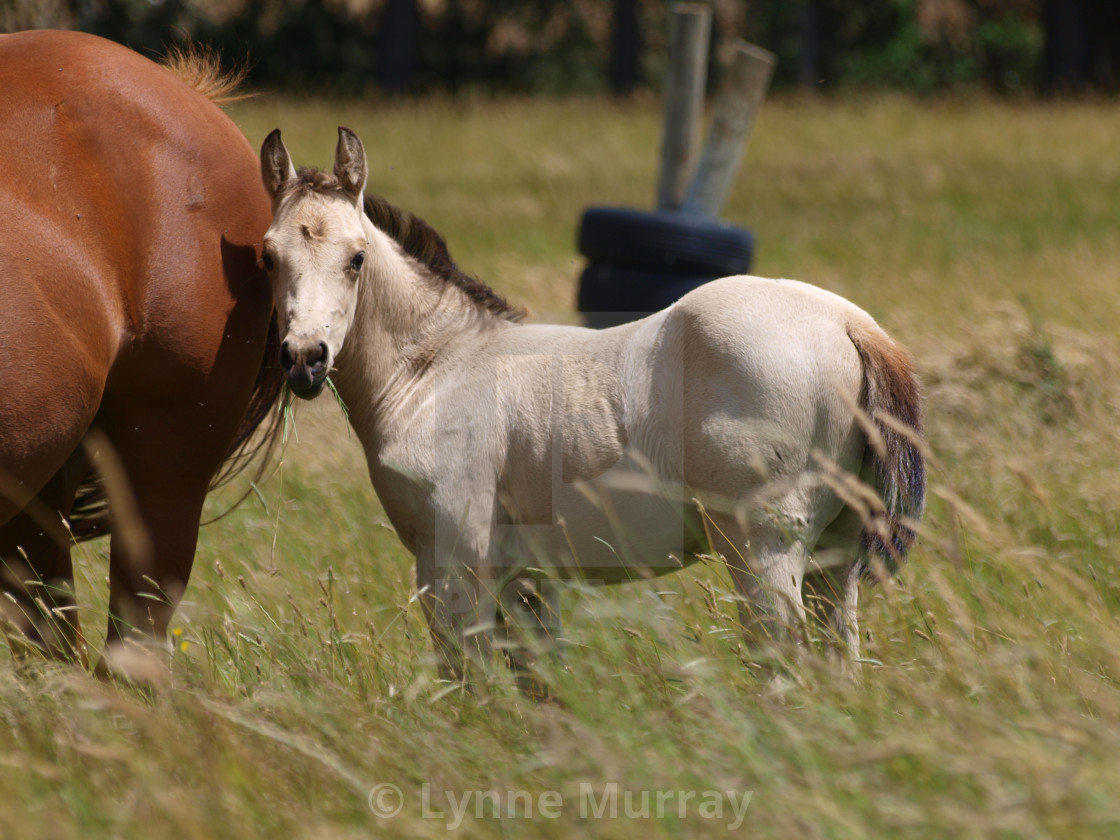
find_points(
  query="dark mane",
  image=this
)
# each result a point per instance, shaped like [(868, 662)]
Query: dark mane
[(419, 240)]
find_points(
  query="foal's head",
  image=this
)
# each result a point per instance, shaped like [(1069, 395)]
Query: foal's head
[(313, 253)]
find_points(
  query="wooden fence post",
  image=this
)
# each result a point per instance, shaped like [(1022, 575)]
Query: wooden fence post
[(739, 101), (689, 31)]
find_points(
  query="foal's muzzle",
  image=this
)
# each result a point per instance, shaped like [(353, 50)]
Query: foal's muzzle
[(306, 365)]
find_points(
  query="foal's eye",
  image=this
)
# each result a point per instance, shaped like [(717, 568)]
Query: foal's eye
[(266, 262), (356, 262)]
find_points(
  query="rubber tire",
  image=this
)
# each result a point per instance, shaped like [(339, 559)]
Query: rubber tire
[(664, 242), (611, 294)]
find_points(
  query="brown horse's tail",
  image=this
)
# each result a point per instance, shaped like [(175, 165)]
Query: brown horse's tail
[(891, 406), (89, 515), (201, 68), (250, 445)]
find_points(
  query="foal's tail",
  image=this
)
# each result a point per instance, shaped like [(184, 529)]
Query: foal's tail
[(891, 404)]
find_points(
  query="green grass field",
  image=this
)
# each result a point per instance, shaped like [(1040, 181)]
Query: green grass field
[(983, 235)]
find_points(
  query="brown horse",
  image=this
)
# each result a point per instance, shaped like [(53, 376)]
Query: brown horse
[(134, 320)]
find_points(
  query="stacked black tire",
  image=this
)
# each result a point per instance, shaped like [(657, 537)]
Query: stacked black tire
[(640, 262)]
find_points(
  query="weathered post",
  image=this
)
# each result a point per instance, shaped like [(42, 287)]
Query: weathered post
[(735, 109), (640, 261), (689, 31)]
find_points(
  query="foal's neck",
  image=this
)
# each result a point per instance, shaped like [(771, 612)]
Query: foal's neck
[(402, 318)]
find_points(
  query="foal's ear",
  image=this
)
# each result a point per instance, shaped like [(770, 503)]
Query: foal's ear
[(350, 163), (276, 165)]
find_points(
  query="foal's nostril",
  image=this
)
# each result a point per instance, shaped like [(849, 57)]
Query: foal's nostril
[(286, 360), (315, 354)]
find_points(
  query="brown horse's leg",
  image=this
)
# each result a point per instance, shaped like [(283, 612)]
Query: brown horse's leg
[(37, 606), (156, 510)]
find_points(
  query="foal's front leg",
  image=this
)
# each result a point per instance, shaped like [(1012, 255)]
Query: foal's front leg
[(460, 602), (448, 603), (530, 627), (462, 606)]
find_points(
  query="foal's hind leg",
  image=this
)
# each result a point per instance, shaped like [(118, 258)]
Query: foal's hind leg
[(831, 596), (37, 578), (767, 566), (832, 587)]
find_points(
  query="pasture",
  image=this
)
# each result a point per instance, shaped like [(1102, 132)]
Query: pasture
[(983, 235)]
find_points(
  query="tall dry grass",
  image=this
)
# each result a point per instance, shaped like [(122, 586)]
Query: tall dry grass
[(981, 234)]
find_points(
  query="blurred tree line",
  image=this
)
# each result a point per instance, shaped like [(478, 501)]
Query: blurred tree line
[(565, 46)]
